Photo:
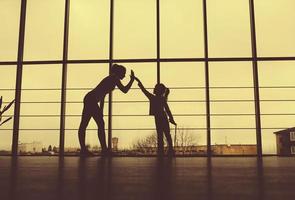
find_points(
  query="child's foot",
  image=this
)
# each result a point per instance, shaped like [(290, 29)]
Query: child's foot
[(171, 153)]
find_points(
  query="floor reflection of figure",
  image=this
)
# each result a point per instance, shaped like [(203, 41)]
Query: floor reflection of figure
[(164, 179), (159, 109), (94, 178), (82, 182), (91, 108)]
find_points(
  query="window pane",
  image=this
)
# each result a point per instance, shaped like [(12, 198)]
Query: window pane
[(9, 23), (7, 91), (44, 30), (277, 94), (229, 28), (187, 103), (232, 106), (40, 108), (275, 27), (181, 29), (81, 78), (135, 29), (89, 29), (187, 94), (135, 105)]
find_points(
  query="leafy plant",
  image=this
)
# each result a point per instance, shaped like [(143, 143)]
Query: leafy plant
[(2, 111)]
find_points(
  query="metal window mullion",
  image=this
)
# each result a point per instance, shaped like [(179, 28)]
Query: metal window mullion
[(158, 41), (110, 65), (207, 78), (64, 79), (18, 87), (255, 79)]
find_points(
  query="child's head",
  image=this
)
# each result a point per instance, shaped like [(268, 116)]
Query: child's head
[(159, 89), (118, 70)]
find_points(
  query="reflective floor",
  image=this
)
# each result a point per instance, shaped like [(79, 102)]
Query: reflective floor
[(146, 178)]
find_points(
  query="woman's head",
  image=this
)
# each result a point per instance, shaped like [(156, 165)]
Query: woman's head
[(118, 70), (159, 89)]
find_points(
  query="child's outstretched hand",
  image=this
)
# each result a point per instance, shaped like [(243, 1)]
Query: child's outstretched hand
[(132, 74), (137, 79), (172, 121)]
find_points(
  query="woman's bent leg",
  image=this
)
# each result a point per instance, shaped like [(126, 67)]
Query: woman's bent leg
[(82, 129), (98, 117)]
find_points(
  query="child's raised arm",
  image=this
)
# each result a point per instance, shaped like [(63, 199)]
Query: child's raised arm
[(145, 92)]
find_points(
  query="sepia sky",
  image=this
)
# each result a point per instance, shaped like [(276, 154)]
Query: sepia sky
[(181, 36)]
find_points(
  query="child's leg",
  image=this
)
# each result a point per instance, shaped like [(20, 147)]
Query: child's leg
[(160, 142), (168, 135)]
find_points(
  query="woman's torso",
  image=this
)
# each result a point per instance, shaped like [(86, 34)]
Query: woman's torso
[(99, 92)]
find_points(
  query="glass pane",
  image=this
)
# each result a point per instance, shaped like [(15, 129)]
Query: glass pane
[(81, 78), (7, 91), (44, 30), (144, 142), (277, 94), (181, 29), (233, 142), (131, 119), (275, 27), (187, 94), (229, 33), (187, 104), (232, 108), (9, 23), (40, 108), (135, 29), (89, 29)]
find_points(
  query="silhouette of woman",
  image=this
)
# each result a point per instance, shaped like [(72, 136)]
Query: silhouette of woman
[(92, 109), (159, 109)]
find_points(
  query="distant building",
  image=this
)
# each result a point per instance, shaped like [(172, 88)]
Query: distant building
[(234, 149), (115, 142), (286, 142), (33, 147)]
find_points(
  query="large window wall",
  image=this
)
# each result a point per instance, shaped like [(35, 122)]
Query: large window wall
[(228, 68)]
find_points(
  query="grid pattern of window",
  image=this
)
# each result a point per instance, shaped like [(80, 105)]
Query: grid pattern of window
[(228, 68)]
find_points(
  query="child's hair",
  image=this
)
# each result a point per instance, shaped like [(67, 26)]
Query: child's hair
[(118, 69), (159, 89), (167, 91)]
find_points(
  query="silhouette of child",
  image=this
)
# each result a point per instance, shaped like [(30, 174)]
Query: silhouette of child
[(92, 109), (160, 109)]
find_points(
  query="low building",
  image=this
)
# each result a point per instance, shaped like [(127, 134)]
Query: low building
[(234, 149), (33, 147), (285, 142)]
